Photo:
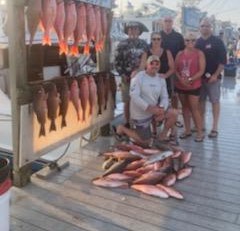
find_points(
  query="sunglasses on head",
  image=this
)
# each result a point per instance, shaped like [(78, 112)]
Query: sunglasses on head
[(190, 40), (154, 39)]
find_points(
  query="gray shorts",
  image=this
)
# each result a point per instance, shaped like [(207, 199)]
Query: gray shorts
[(143, 128), (211, 90)]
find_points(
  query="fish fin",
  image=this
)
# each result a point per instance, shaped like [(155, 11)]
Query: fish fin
[(52, 126), (42, 131)]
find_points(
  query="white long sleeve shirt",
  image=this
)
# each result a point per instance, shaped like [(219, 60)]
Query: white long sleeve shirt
[(146, 90)]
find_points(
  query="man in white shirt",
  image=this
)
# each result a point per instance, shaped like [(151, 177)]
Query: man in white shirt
[(148, 100)]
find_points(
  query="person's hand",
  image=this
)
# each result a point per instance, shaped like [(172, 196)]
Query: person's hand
[(213, 78), (155, 110), (185, 82)]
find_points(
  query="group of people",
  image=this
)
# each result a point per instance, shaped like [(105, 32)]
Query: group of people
[(172, 68)]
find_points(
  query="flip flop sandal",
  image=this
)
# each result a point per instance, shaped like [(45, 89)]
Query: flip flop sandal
[(179, 124), (213, 134), (185, 135), (199, 139)]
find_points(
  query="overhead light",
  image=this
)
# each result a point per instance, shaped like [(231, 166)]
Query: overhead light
[(2, 2)]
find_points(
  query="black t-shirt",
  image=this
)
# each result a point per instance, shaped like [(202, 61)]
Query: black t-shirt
[(214, 51), (173, 41)]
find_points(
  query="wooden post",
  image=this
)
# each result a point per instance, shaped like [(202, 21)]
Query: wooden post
[(103, 63), (18, 81)]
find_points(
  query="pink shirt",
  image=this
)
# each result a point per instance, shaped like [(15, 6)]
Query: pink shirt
[(187, 66)]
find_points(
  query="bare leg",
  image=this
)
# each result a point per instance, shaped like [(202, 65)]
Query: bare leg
[(216, 113), (186, 113), (171, 118), (193, 102), (202, 107)]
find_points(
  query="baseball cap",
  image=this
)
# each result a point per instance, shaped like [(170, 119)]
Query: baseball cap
[(153, 58)]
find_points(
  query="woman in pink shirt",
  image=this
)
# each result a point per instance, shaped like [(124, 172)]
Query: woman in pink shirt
[(190, 66)]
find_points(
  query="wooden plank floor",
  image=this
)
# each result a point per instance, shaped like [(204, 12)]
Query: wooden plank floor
[(69, 202)]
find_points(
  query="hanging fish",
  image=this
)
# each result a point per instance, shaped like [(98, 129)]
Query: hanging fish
[(74, 96), (64, 101), (49, 12), (53, 101), (34, 14), (40, 108), (70, 23), (100, 92), (59, 24), (84, 95), (80, 33), (92, 93), (91, 27)]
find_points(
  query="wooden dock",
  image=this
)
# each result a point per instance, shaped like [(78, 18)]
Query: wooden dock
[(67, 201)]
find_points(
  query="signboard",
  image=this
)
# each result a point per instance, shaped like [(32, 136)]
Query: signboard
[(102, 3), (192, 17)]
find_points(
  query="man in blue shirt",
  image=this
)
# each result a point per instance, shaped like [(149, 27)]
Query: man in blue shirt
[(215, 54)]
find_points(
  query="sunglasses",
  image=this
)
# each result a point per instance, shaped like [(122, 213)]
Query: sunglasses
[(168, 20), (190, 40), (156, 63), (156, 39)]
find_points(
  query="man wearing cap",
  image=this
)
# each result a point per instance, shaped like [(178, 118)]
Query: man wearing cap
[(149, 99), (130, 58)]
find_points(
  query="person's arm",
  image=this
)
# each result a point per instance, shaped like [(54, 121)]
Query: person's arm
[(135, 93), (177, 66)]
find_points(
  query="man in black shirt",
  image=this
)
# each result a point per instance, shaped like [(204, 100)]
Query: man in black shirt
[(173, 41), (215, 54)]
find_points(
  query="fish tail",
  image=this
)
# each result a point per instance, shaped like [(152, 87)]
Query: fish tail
[(42, 131), (46, 40), (74, 50), (64, 123), (52, 126), (61, 48), (86, 49)]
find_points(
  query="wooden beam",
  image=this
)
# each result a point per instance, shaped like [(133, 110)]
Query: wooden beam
[(18, 81)]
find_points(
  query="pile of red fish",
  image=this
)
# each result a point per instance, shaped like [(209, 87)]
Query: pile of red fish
[(87, 91), (74, 22), (152, 171)]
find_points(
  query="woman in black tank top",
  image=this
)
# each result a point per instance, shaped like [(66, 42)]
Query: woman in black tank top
[(165, 56)]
